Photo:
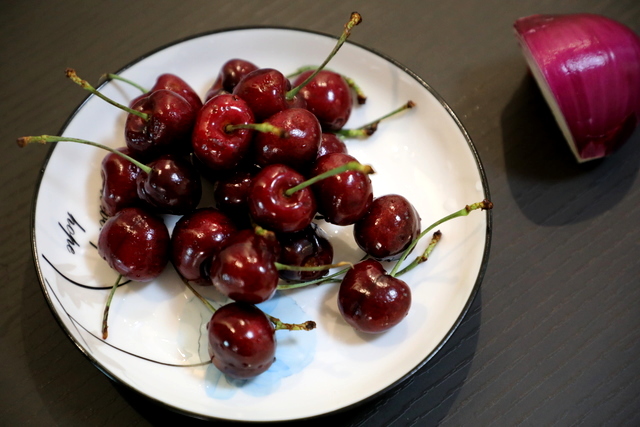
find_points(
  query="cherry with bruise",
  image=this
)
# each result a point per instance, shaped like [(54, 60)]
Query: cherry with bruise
[(242, 341), (328, 97), (119, 188), (388, 227), (309, 247), (171, 186), (271, 207), (244, 270), (344, 198), (372, 301), (298, 149), (196, 238), (135, 243), (229, 75)]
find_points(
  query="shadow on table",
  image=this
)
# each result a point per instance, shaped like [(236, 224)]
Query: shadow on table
[(549, 185), (424, 398)]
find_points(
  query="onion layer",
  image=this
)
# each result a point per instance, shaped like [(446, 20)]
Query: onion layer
[(588, 68)]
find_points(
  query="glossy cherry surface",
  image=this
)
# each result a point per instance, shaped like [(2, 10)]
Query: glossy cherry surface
[(196, 238), (306, 248), (331, 143), (242, 342), (328, 97), (135, 243), (272, 209), (229, 75), (215, 146), (299, 149), (372, 301), (119, 188), (344, 198), (388, 228), (244, 270), (172, 187)]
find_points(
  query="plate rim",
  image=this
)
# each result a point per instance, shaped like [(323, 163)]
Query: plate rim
[(385, 390)]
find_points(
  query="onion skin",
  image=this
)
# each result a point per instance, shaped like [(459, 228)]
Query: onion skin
[(588, 68)]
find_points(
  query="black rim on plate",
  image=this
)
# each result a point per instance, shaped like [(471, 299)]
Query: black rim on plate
[(399, 381)]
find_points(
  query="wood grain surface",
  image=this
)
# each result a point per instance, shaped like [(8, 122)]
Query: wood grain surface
[(553, 337)]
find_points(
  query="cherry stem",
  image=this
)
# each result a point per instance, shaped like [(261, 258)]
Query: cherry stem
[(371, 127), (329, 278), (425, 255), (105, 316), (305, 326), (310, 268), (197, 294), (484, 205), (111, 76), (362, 98), (43, 139), (349, 166), (354, 20), (71, 74), (260, 127)]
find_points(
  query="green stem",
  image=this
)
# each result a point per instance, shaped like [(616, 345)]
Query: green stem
[(111, 76), (309, 268), (105, 315), (329, 278), (259, 127), (197, 294), (354, 20), (484, 205), (306, 326), (425, 255), (349, 166), (71, 74), (43, 139), (370, 128)]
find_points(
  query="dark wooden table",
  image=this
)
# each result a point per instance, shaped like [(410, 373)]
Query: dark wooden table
[(553, 336)]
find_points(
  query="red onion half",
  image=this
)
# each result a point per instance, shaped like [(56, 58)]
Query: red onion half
[(588, 68)]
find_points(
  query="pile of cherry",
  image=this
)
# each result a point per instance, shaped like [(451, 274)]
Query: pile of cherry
[(275, 150)]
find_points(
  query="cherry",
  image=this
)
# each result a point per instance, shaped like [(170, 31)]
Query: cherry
[(328, 97), (331, 143), (159, 122), (244, 270), (388, 227), (231, 194), (171, 186), (229, 75), (135, 244), (344, 198), (196, 238), (242, 342), (119, 188), (306, 248), (299, 149), (271, 207), (372, 301)]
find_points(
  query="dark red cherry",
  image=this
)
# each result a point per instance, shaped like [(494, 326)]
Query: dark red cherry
[(176, 84), (306, 248), (196, 238), (135, 244), (372, 301), (173, 186), (344, 198), (242, 341), (328, 97), (265, 90), (215, 146), (119, 189), (167, 127), (270, 206), (231, 194), (229, 75), (388, 227), (331, 143), (244, 270), (299, 149)]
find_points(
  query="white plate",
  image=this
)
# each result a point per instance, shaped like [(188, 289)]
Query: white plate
[(156, 329)]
